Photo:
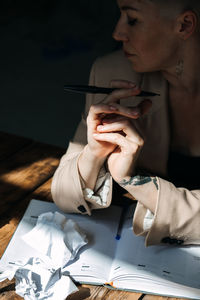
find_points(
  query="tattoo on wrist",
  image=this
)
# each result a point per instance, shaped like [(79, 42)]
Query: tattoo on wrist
[(139, 180)]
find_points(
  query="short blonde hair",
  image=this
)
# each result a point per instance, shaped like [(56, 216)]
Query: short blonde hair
[(170, 9), (179, 6)]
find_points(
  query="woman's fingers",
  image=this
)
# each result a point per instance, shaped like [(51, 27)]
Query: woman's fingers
[(111, 118), (121, 93), (119, 140), (126, 84), (122, 126), (105, 109), (110, 104), (141, 109), (124, 89)]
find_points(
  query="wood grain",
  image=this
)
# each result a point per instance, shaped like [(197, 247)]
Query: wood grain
[(24, 172), (12, 220), (10, 144)]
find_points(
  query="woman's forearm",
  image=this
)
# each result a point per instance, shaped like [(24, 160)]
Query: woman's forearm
[(89, 167), (143, 188)]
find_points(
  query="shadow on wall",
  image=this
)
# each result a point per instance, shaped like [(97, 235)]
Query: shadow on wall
[(46, 44)]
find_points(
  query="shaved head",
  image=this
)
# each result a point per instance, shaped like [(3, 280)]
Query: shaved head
[(172, 7), (179, 5)]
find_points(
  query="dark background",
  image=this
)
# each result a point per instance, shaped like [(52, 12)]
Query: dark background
[(44, 45)]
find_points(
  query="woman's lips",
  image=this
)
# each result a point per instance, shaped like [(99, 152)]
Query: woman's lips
[(127, 54)]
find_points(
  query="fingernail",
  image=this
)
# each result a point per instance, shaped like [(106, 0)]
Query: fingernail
[(99, 127), (132, 84), (136, 87), (102, 115), (134, 113), (112, 107)]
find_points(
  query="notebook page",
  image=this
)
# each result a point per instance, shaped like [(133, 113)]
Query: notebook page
[(155, 266), (93, 260)]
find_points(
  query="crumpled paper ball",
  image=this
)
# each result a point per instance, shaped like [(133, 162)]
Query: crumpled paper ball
[(58, 240)]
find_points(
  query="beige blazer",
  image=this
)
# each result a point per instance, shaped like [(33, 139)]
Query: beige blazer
[(177, 216)]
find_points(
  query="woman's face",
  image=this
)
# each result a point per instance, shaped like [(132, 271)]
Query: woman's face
[(149, 39)]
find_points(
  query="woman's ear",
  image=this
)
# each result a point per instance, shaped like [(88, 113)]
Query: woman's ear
[(186, 24)]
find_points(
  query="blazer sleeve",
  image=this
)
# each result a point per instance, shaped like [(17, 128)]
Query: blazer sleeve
[(66, 188), (177, 217)]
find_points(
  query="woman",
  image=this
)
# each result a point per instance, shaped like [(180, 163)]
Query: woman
[(128, 140)]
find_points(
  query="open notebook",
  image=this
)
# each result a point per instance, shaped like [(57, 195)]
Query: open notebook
[(123, 264)]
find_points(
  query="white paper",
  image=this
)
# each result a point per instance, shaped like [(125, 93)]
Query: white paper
[(57, 237), (35, 280), (57, 240)]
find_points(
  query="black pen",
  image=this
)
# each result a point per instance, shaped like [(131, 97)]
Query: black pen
[(142, 297), (101, 90), (121, 221)]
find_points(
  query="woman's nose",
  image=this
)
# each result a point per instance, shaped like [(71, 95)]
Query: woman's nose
[(119, 33)]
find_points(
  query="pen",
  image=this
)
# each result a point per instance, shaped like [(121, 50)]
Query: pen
[(121, 222), (142, 297), (101, 90)]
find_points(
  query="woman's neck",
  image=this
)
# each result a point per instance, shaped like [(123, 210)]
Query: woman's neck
[(184, 77)]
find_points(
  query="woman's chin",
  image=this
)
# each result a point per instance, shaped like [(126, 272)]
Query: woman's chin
[(141, 69), (138, 69)]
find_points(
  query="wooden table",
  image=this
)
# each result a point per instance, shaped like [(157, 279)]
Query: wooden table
[(26, 169)]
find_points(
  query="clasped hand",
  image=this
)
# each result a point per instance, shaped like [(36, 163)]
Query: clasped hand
[(111, 131)]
